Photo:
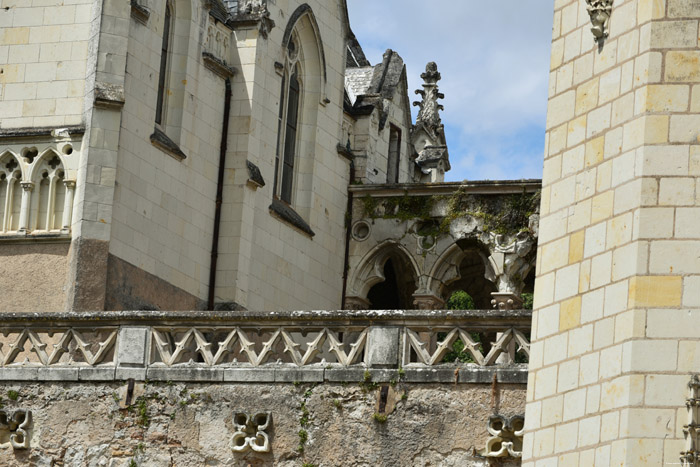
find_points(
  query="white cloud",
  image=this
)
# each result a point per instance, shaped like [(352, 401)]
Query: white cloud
[(494, 61)]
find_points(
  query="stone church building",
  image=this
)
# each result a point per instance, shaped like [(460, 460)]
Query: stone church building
[(178, 176)]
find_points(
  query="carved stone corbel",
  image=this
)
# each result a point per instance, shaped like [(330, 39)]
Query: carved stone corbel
[(356, 303), (428, 302), (513, 260), (599, 11), (16, 424), (255, 12)]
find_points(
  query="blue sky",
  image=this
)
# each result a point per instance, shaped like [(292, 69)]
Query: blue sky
[(494, 59)]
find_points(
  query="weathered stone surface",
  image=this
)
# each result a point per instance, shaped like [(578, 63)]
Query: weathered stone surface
[(131, 288), (46, 264), (192, 425), (87, 275), (132, 346)]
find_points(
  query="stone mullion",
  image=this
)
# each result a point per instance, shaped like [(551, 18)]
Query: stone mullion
[(27, 188), (68, 206), (8, 204), (50, 209)]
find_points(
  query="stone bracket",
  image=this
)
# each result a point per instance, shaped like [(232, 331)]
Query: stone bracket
[(139, 12), (109, 96)]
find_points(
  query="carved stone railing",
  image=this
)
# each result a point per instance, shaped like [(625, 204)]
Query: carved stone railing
[(414, 346)]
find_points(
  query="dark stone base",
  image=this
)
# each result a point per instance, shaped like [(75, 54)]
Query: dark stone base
[(131, 288), (87, 275)]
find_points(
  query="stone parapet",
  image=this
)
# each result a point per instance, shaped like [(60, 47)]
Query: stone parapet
[(317, 346)]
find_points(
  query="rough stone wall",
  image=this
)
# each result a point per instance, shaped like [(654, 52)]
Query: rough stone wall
[(44, 55), (42, 282), (615, 328), (191, 425)]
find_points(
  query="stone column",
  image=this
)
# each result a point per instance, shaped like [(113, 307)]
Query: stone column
[(27, 188), (68, 206), (617, 307), (428, 302), (357, 303)]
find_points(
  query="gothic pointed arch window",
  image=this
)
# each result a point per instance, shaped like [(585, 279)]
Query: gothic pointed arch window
[(288, 123), (10, 193), (301, 66)]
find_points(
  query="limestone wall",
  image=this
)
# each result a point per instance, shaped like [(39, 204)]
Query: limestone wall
[(615, 329), (164, 204), (192, 424), (271, 263), (44, 55), (163, 214)]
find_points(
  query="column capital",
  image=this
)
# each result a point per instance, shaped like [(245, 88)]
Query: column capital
[(27, 186)]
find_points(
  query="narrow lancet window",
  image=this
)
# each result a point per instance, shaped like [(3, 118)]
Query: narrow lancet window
[(288, 126), (162, 77)]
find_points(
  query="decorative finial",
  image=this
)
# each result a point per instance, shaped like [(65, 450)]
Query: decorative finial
[(599, 11), (429, 114), (428, 134)]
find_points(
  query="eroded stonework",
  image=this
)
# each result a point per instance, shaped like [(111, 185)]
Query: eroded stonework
[(192, 424)]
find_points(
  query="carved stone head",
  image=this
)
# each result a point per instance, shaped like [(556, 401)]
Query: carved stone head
[(599, 11)]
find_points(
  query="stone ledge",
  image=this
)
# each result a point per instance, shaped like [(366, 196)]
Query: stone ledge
[(168, 146), (255, 178), (36, 132), (58, 237), (290, 216), (217, 66), (468, 186), (109, 96), (345, 152), (431, 375), (139, 12), (482, 318)]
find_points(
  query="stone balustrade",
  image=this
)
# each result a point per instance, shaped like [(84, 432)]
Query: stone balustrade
[(315, 346)]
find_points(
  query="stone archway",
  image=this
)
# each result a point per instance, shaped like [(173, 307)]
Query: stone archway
[(389, 275)]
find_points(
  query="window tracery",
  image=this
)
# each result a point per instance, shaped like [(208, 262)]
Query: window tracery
[(288, 123), (37, 190)]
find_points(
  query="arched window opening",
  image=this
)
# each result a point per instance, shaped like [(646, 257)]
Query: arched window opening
[(15, 195), (10, 193), (288, 125), (39, 221), (50, 198), (397, 289), (472, 271), (392, 170), (163, 70)]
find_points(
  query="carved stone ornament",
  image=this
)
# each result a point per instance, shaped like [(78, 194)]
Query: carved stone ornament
[(506, 436), (691, 431), (14, 426), (599, 11), (428, 134), (250, 432), (513, 258), (256, 10)]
